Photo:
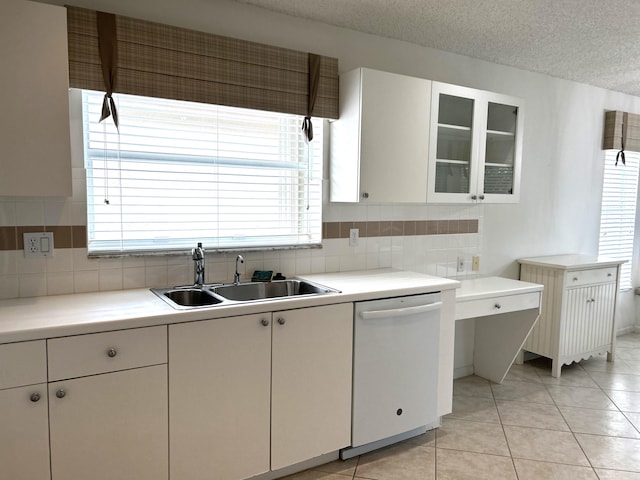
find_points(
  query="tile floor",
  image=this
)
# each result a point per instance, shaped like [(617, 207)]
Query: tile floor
[(584, 425)]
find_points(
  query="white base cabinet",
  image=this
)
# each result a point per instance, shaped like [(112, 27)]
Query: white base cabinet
[(24, 433), (577, 319), (110, 426), (24, 416), (260, 392)]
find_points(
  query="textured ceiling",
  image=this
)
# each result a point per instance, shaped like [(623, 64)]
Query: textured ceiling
[(590, 41)]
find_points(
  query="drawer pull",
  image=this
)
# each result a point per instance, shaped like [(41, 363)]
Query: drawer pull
[(35, 397), (498, 306), (112, 352), (608, 274), (61, 393), (575, 279)]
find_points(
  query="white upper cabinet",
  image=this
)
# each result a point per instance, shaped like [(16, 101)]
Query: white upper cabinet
[(35, 159), (379, 146), (476, 148)]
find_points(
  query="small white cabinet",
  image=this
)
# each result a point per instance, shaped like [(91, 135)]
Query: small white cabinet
[(34, 92), (476, 146), (24, 430), (112, 422), (260, 392), (310, 382), (380, 143), (578, 308)]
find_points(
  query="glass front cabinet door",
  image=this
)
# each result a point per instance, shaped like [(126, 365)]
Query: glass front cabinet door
[(476, 146)]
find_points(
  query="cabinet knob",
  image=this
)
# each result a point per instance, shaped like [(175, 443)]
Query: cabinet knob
[(498, 306), (281, 321), (474, 197), (365, 194), (481, 197), (264, 322), (608, 275), (35, 397), (575, 279), (112, 352), (60, 393)]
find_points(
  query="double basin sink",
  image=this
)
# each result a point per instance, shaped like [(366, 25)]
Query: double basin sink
[(211, 295)]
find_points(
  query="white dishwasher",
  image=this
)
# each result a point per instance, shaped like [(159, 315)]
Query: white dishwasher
[(395, 370)]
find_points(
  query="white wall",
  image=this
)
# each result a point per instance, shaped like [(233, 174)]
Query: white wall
[(562, 159)]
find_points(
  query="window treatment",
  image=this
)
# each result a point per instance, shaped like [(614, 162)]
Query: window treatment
[(157, 60), (108, 48), (621, 132)]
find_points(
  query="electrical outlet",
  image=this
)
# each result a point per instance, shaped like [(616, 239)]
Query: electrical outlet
[(460, 265), (39, 244), (476, 263), (354, 237)]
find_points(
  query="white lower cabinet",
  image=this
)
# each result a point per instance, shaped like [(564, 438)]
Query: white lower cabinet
[(219, 397), (254, 393), (24, 429), (24, 433), (311, 383), (110, 426), (108, 412)]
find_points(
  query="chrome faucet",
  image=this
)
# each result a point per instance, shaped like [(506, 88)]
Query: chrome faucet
[(236, 277), (197, 254)]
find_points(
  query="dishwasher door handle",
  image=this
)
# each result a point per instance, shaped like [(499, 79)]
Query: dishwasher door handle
[(400, 312)]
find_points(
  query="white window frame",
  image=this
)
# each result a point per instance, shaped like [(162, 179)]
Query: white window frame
[(618, 212), (247, 215)]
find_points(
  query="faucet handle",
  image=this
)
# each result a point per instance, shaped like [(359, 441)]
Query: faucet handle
[(198, 252)]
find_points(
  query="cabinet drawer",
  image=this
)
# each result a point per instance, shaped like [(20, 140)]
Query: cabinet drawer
[(23, 364), (579, 278), (495, 305), (106, 352)]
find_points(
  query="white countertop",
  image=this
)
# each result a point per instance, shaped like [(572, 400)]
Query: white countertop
[(567, 262), (490, 287), (33, 318)]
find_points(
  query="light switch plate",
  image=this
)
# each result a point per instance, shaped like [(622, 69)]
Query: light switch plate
[(38, 244)]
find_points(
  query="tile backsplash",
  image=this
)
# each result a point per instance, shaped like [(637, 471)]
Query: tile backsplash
[(427, 239)]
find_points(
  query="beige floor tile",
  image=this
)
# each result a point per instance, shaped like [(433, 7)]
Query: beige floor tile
[(617, 381), (534, 470), (625, 353), (401, 462), (427, 439), (580, 397), (611, 452), (633, 418), (523, 373), (457, 465), (545, 445), (522, 392), (535, 415), (343, 467), (616, 475), (572, 375), (472, 386), (600, 364), (599, 422), (472, 437), (474, 409), (625, 401), (317, 475)]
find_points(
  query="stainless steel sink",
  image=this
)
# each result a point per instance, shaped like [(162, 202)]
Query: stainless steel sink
[(210, 295), (244, 292), (187, 297)]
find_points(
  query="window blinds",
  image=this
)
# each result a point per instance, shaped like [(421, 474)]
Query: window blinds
[(156, 60), (618, 214), (181, 173)]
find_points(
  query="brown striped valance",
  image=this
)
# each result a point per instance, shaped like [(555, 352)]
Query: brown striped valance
[(158, 60), (621, 131)]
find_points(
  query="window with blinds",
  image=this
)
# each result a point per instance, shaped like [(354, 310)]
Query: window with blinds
[(178, 173), (618, 214)]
